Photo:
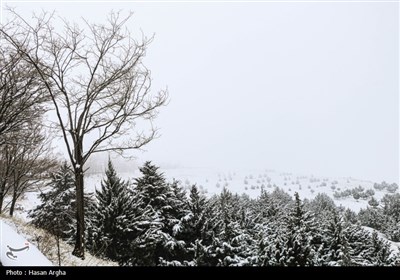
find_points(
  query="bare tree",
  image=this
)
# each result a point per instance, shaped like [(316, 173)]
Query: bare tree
[(21, 92), (26, 162), (98, 85), (22, 100), (6, 163)]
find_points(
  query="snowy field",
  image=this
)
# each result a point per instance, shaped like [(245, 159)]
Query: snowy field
[(250, 182)]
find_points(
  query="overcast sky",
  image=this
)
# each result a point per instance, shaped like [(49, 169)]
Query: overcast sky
[(301, 87)]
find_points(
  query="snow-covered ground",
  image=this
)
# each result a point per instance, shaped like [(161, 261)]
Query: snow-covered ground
[(211, 181), (22, 233), (15, 250)]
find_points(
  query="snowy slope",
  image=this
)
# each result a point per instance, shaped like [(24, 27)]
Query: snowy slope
[(15, 250), (212, 181)]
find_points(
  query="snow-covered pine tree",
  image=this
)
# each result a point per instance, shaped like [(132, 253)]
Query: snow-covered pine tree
[(160, 246), (197, 205), (358, 239), (192, 227), (177, 248), (372, 217), (391, 206), (152, 187), (231, 243), (322, 205), (113, 218), (271, 249), (373, 202), (56, 213), (380, 252), (336, 250), (392, 230), (267, 207), (298, 248)]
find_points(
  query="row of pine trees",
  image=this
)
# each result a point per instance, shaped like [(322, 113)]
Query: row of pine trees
[(153, 222)]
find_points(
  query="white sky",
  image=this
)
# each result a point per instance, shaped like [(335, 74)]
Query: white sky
[(302, 87)]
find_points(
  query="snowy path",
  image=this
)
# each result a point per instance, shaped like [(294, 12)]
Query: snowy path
[(15, 250)]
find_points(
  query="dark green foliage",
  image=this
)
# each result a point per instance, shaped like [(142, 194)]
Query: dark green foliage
[(392, 230), (167, 205), (194, 227), (322, 204), (379, 253), (336, 248), (350, 216), (372, 217), (373, 202), (391, 206), (113, 219), (292, 241), (56, 214), (300, 232)]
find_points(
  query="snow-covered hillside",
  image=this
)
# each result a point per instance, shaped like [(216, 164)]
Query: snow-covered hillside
[(15, 250), (251, 182), (42, 241), (212, 181)]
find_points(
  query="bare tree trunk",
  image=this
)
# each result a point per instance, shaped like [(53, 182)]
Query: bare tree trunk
[(58, 249), (3, 181), (13, 201), (79, 250), (2, 189)]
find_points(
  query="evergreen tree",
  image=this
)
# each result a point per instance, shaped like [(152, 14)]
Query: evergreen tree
[(379, 252), (296, 245), (56, 213), (372, 217), (110, 230), (373, 202), (391, 206), (322, 205), (116, 220), (193, 230), (160, 245), (359, 240), (271, 244), (392, 230), (232, 244), (301, 231), (267, 207), (337, 250)]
